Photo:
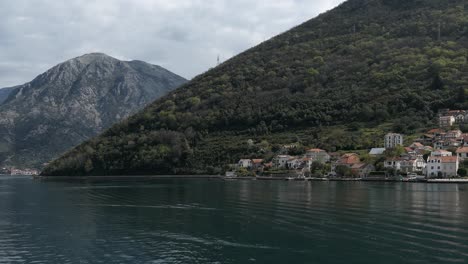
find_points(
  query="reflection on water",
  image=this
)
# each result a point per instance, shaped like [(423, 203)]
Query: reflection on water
[(198, 221)]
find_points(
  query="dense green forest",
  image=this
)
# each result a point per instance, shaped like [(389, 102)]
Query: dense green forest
[(339, 81)]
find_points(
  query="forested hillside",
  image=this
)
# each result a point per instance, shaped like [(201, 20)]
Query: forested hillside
[(337, 81)]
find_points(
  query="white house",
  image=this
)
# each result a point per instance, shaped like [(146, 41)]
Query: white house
[(407, 164), (441, 153), (318, 155), (294, 163), (392, 140), (462, 153), (446, 121), (442, 166), (245, 163), (281, 161)]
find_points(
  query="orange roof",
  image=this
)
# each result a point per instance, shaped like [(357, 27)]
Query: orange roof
[(256, 161), (435, 130), (417, 144), (349, 158), (462, 150), (450, 159), (316, 150)]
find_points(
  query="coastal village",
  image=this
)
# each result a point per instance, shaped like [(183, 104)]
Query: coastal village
[(440, 153), (17, 172)]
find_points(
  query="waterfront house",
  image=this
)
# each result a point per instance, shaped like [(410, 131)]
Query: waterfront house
[(245, 163), (392, 140), (442, 166), (294, 163), (318, 155), (281, 161), (393, 163), (406, 164), (462, 153), (257, 164), (347, 160), (362, 170)]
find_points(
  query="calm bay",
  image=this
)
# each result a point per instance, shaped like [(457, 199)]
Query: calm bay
[(215, 221)]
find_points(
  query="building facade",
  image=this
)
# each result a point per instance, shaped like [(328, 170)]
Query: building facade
[(318, 155), (446, 121), (442, 166), (392, 140)]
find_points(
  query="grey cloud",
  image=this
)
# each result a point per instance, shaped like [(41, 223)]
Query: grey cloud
[(184, 36)]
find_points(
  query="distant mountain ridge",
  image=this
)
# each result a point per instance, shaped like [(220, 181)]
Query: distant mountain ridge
[(74, 101), (337, 82)]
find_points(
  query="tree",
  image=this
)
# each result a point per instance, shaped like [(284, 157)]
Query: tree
[(461, 95), (437, 83), (343, 171), (462, 172), (395, 152)]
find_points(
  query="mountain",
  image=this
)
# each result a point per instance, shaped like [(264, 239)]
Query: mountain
[(4, 93), (338, 82), (73, 102)]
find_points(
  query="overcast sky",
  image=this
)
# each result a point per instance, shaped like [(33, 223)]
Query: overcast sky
[(184, 36)]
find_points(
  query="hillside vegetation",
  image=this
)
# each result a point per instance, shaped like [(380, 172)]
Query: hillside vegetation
[(338, 81)]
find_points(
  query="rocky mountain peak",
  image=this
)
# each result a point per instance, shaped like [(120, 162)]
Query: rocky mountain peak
[(74, 101)]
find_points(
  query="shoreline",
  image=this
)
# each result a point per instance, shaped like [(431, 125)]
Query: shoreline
[(218, 177)]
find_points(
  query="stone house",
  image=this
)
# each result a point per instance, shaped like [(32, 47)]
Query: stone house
[(362, 170), (318, 155), (462, 153), (446, 121), (392, 140), (442, 166)]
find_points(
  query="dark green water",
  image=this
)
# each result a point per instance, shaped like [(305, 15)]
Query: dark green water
[(203, 221)]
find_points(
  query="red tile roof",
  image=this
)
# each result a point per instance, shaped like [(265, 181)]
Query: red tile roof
[(435, 131), (462, 150), (316, 150), (350, 158), (451, 159)]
